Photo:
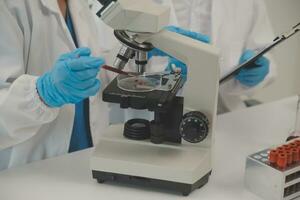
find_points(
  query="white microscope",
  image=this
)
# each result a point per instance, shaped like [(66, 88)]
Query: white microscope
[(174, 151)]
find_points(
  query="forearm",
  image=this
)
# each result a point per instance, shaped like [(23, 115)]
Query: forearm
[(260, 35), (234, 88), (22, 112)]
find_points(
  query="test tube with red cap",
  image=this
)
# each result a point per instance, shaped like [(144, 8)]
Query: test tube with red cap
[(282, 161)]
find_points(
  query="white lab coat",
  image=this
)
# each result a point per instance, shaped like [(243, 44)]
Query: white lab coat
[(33, 35), (234, 25)]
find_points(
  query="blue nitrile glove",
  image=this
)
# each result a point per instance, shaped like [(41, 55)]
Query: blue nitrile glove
[(255, 74), (190, 34), (175, 64), (177, 67), (72, 79)]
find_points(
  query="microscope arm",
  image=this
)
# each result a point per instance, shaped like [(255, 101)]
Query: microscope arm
[(201, 89)]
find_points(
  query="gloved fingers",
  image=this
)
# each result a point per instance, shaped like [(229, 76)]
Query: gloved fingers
[(92, 91), (69, 96), (173, 62), (66, 94), (257, 70), (263, 61), (255, 74), (190, 34), (73, 95), (248, 72), (58, 95), (252, 76), (251, 79), (248, 83), (247, 76), (81, 85), (85, 93), (84, 63), (173, 68), (84, 74), (247, 55), (245, 80), (80, 52)]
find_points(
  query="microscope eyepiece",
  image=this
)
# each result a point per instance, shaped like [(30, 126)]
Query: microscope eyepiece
[(105, 4)]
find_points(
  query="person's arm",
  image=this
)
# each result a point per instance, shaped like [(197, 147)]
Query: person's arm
[(261, 35), (22, 112)]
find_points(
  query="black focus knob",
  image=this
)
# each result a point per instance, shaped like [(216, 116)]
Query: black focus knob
[(194, 127)]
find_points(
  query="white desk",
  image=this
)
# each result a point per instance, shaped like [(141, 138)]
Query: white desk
[(238, 135)]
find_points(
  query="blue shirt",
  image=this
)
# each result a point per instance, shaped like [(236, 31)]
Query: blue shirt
[(81, 135)]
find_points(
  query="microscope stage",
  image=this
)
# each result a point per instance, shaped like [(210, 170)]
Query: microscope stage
[(150, 100), (180, 163)]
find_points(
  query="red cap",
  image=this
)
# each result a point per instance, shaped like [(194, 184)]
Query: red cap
[(289, 156), (298, 148), (282, 161), (297, 142), (273, 156), (295, 153), (286, 147), (280, 149), (293, 145)]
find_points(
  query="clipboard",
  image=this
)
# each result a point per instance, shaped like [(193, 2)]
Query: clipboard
[(278, 40)]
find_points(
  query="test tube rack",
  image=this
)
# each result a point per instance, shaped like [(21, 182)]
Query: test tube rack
[(274, 173)]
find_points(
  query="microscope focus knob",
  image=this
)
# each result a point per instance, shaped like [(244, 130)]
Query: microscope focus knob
[(194, 127)]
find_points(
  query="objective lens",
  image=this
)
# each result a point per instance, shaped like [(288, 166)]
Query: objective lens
[(123, 57)]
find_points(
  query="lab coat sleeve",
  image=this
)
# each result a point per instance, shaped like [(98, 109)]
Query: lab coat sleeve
[(261, 34), (22, 112)]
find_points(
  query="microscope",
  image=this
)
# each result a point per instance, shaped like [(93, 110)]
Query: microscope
[(173, 151)]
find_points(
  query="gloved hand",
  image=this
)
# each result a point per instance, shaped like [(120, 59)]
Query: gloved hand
[(174, 64), (177, 67), (190, 34), (255, 74), (72, 79)]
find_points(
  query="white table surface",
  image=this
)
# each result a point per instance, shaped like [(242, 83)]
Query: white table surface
[(238, 135)]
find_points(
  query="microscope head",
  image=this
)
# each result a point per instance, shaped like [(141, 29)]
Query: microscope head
[(142, 16), (134, 22)]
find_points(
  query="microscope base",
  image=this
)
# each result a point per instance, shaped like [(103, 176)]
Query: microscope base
[(185, 189), (180, 167)]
